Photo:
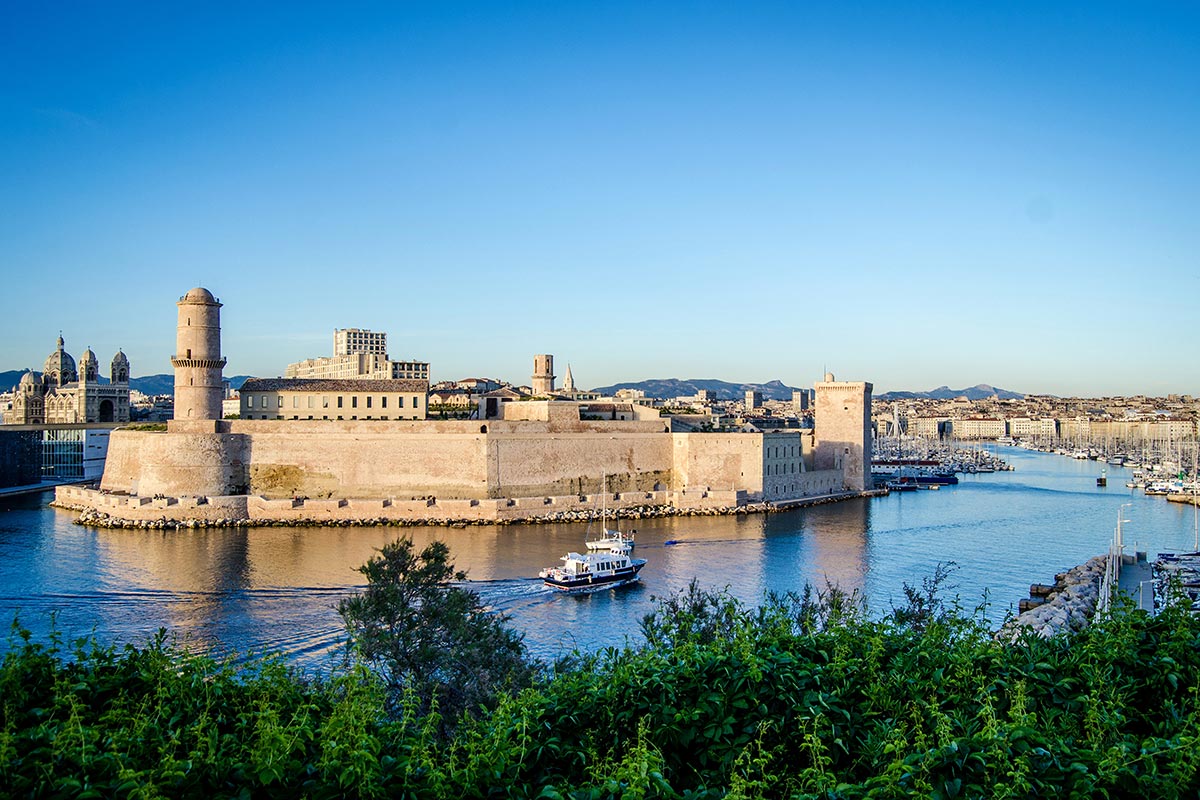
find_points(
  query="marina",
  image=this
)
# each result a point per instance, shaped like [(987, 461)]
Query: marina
[(275, 589)]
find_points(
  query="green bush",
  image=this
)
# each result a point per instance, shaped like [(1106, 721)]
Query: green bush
[(804, 697)]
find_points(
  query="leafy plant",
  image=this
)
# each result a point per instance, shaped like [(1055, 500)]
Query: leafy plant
[(423, 634)]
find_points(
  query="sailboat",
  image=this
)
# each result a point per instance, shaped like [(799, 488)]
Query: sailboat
[(612, 540)]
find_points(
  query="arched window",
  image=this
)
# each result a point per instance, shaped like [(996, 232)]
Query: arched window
[(483, 428)]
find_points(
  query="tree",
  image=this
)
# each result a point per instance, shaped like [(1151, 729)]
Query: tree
[(422, 634)]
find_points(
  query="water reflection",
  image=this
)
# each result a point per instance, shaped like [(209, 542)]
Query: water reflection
[(277, 588)]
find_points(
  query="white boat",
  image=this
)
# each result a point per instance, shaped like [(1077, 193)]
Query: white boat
[(613, 541), (592, 572)]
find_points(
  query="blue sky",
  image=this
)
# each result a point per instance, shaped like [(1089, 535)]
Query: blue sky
[(913, 194)]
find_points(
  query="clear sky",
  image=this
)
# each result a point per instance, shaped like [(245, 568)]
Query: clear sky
[(913, 194)]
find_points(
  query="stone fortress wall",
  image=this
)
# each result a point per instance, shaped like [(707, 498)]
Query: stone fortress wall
[(455, 460), (536, 455)]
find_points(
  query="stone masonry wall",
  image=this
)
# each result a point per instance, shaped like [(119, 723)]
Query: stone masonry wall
[(400, 461), (732, 461), (529, 465), (149, 463)]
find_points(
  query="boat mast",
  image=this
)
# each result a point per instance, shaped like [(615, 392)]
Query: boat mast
[(603, 502), (1195, 507)]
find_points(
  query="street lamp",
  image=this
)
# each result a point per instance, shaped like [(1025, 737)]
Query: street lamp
[(1142, 597)]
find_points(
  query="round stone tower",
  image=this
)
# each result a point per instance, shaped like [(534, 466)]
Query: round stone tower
[(197, 360)]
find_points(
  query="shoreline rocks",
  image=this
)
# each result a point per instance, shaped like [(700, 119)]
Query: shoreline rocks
[(1068, 606), (92, 517)]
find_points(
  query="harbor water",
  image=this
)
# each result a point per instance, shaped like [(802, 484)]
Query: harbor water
[(275, 590)]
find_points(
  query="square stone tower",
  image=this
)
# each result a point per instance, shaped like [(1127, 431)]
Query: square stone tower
[(543, 375), (842, 439)]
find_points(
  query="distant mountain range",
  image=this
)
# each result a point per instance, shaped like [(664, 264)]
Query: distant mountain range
[(777, 390), (721, 390), (147, 384), (980, 391), (667, 387)]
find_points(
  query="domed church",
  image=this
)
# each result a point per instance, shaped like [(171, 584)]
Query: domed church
[(63, 394)]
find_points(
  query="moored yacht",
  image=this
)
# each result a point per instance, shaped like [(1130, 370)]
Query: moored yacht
[(615, 541)]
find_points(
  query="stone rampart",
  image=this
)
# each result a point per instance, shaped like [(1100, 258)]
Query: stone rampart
[(532, 464), (279, 459), (149, 462), (403, 463)]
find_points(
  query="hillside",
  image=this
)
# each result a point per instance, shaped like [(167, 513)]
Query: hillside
[(665, 387), (980, 391), (147, 384), (722, 390)]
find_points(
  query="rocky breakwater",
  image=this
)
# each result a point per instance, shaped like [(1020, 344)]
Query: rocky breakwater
[(99, 519), (1068, 605), (94, 518)]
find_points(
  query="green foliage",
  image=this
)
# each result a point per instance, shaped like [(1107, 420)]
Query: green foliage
[(426, 636), (805, 697)]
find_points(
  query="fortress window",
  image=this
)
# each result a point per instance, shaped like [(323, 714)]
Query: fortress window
[(279, 401), (339, 403), (416, 402), (264, 401), (368, 401), (400, 402), (325, 403), (354, 402), (383, 402)]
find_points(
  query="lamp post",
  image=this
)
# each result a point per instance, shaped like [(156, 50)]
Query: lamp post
[(1142, 595)]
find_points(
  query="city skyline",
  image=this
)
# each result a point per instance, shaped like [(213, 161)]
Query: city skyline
[(910, 195)]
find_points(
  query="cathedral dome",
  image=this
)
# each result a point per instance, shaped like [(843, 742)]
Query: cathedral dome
[(60, 366), (87, 357), (30, 379), (120, 359), (199, 295)]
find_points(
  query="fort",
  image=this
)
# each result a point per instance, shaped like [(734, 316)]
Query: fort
[(528, 460)]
